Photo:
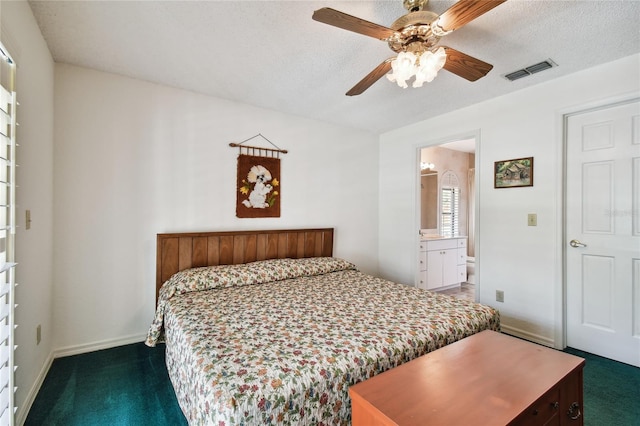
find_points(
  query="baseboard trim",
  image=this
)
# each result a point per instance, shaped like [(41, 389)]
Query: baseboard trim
[(23, 411), (96, 346), (536, 338)]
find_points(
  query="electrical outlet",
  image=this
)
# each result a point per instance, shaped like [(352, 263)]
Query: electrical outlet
[(499, 296), (532, 219), (38, 334)]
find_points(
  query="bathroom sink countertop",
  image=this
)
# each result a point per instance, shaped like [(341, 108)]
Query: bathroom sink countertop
[(438, 237)]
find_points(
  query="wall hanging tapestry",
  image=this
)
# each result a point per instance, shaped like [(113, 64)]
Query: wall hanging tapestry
[(258, 188)]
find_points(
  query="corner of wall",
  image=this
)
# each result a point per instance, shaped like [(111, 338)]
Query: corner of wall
[(34, 247)]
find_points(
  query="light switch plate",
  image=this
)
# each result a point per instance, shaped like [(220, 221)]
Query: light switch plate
[(532, 219)]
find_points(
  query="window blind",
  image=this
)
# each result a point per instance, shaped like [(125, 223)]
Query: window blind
[(450, 211), (8, 126)]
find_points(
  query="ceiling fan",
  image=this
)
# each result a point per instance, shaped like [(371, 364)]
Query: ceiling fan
[(414, 37)]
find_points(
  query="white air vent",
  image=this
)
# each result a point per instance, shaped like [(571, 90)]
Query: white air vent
[(531, 69)]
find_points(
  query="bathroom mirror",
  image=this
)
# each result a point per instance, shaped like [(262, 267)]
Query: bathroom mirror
[(429, 202)]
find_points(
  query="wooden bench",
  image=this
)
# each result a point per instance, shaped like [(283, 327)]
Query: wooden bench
[(485, 379)]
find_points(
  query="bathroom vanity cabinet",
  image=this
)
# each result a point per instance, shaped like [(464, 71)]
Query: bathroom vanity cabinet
[(442, 262)]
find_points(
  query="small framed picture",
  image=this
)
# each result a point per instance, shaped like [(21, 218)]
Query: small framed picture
[(513, 173)]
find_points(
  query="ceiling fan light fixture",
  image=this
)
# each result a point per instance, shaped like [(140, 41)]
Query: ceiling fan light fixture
[(411, 36), (403, 68), (430, 64), (424, 67)]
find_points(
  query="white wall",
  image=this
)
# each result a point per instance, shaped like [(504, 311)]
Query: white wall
[(525, 262), (133, 159), (34, 80)]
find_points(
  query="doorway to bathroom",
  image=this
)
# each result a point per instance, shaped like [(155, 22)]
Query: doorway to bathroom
[(448, 211)]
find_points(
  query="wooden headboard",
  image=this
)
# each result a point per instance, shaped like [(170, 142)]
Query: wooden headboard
[(176, 252)]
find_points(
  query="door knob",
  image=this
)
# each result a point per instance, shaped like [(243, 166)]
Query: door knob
[(576, 243)]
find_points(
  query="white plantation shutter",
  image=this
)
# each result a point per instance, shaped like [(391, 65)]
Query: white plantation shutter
[(450, 205), (450, 211), (7, 235)]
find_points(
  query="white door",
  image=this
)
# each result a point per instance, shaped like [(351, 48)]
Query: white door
[(603, 232), (434, 269), (450, 267)]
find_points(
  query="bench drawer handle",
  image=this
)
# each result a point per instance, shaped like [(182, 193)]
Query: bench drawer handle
[(574, 411)]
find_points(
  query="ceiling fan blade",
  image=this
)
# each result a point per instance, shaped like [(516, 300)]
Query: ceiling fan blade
[(465, 66), (338, 19), (371, 78), (465, 11)]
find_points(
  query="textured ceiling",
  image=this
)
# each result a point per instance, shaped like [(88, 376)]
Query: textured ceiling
[(271, 54)]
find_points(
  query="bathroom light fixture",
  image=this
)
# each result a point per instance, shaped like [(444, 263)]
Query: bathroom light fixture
[(427, 166)]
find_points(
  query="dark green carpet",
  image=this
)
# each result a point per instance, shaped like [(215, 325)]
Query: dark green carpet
[(129, 385), (611, 391)]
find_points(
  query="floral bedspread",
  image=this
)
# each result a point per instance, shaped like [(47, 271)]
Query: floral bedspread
[(285, 349)]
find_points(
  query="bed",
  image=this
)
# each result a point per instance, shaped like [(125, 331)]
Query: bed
[(267, 327)]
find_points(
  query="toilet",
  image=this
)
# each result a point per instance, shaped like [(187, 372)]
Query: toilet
[(471, 269)]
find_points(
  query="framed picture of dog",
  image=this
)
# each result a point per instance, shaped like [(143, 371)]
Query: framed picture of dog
[(258, 189)]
